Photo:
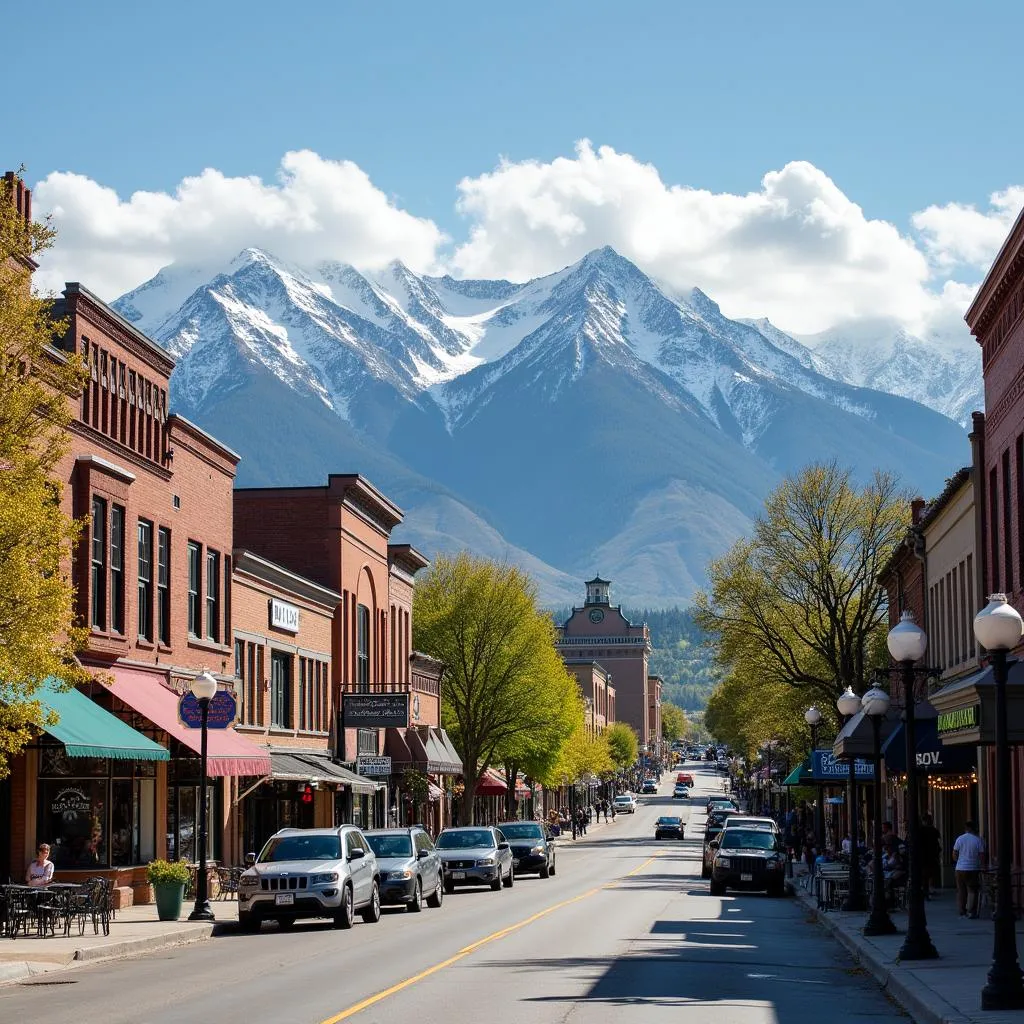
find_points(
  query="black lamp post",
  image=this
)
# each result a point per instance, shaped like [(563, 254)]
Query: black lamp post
[(907, 643), (998, 628), (812, 716), (204, 689), (848, 705), (876, 703)]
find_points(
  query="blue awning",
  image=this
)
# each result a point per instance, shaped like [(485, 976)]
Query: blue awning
[(933, 757)]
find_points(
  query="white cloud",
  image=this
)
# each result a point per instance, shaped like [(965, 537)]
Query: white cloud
[(318, 209), (962, 234), (797, 249)]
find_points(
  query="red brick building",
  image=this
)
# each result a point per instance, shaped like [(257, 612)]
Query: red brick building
[(338, 536)]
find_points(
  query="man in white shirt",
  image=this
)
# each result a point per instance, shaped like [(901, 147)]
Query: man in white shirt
[(969, 857)]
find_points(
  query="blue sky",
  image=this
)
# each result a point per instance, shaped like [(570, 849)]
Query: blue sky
[(901, 105)]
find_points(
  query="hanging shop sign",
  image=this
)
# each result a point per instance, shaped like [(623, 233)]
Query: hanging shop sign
[(965, 719), (222, 712), (375, 710), (826, 767), (367, 765)]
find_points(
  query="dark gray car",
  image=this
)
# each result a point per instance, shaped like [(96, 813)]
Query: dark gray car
[(532, 847), (475, 855), (410, 867)]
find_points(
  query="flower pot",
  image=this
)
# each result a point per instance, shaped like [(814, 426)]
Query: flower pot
[(169, 897)]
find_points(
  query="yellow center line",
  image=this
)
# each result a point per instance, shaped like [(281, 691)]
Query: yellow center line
[(472, 948)]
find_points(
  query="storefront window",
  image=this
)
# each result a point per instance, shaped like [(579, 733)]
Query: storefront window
[(183, 813), (95, 813)]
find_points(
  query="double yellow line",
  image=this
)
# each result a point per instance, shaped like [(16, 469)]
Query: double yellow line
[(472, 948)]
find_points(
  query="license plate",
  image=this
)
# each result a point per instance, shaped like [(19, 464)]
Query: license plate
[(746, 878), (284, 899), (456, 875)]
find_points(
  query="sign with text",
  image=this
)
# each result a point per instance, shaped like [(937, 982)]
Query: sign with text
[(375, 710), (221, 715), (284, 616), (961, 720), (367, 765), (826, 767)]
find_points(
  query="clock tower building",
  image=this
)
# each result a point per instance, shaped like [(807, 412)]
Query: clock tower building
[(600, 632)]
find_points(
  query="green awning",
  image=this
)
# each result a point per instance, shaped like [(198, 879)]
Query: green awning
[(800, 775), (87, 730)]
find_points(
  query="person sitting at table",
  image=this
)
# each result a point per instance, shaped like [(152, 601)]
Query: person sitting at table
[(40, 870)]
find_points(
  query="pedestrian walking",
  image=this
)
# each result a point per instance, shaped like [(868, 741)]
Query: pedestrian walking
[(969, 857), (613, 810)]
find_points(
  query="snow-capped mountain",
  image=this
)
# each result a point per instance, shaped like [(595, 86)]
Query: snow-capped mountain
[(580, 413), (942, 373)]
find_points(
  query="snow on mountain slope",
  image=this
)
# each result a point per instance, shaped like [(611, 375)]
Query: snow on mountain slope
[(944, 374)]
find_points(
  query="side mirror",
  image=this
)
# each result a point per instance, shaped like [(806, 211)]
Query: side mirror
[(357, 854), (250, 859), (423, 854), (503, 846), (714, 844)]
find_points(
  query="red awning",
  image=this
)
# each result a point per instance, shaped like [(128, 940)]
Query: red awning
[(492, 784), (522, 789), (227, 752)]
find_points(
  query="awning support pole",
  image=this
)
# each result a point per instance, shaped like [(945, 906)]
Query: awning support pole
[(256, 785)]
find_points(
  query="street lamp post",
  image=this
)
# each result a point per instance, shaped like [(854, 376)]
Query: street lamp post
[(907, 643), (848, 705), (998, 628), (812, 716), (876, 703), (204, 689)]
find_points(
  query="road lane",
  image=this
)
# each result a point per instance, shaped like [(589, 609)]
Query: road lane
[(625, 929)]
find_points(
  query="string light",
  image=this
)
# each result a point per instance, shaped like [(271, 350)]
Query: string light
[(944, 783)]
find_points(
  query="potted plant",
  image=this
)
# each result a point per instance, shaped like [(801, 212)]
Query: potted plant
[(168, 880)]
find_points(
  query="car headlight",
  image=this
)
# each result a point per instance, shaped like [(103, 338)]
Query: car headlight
[(329, 876), (248, 881), (773, 865), (724, 862), (537, 849), (485, 862), (397, 876)]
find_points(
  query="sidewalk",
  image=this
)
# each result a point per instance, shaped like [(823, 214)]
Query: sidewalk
[(943, 991), (134, 930)]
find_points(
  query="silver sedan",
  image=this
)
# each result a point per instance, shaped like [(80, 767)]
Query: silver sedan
[(475, 855)]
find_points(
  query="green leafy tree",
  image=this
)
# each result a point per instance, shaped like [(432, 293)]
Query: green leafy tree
[(623, 744), (504, 682), (38, 638), (799, 603), (673, 722)]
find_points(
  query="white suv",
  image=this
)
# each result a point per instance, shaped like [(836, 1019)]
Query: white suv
[(310, 872), (625, 803)]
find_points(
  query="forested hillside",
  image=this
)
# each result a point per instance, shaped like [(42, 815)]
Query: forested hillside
[(679, 654)]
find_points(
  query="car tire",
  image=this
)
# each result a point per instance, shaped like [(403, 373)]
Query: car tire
[(496, 884), (552, 865), (449, 886), (249, 923), (436, 898), (777, 891), (704, 873), (286, 924), (511, 880), (415, 905), (345, 917), (716, 888), (371, 912), (545, 871)]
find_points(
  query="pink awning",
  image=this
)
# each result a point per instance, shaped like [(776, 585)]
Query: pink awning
[(492, 784), (227, 752)]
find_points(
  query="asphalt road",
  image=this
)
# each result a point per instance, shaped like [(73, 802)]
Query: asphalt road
[(625, 931)]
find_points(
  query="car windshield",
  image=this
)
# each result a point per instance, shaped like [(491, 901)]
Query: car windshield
[(669, 821), (468, 840), (742, 839), (623, 799), (522, 830), (390, 846), (301, 847)]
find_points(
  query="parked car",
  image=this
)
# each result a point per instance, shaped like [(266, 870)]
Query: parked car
[(532, 847), (475, 855), (748, 858), (310, 872), (748, 821), (686, 778), (410, 867), (625, 803), (680, 791), (649, 786), (712, 830), (715, 802), (669, 827)]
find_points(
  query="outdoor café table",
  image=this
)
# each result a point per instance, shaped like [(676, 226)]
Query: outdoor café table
[(33, 896)]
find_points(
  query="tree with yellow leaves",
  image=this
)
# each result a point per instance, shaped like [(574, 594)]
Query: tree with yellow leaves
[(38, 638)]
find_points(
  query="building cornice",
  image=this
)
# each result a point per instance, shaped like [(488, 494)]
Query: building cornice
[(278, 576)]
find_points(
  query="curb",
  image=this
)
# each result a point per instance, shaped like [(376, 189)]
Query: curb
[(911, 995), (111, 950)]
